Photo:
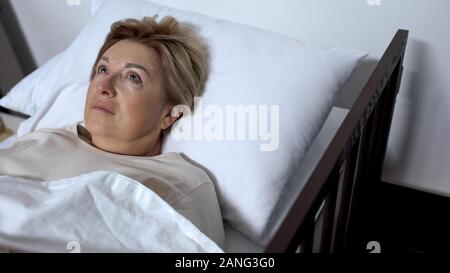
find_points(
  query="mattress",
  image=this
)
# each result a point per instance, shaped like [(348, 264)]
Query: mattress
[(237, 242)]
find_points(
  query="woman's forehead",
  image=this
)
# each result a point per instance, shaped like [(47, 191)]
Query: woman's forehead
[(126, 51)]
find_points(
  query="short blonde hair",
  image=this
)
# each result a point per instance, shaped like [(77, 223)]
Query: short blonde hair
[(183, 54)]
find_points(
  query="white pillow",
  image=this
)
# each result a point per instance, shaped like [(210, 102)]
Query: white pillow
[(249, 66), (64, 107), (31, 93)]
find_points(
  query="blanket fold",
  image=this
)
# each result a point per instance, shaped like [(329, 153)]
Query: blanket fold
[(94, 212)]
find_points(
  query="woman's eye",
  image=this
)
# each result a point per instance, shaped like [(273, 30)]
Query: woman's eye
[(101, 69), (135, 78)]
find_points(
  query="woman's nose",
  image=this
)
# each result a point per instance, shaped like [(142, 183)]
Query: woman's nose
[(107, 87)]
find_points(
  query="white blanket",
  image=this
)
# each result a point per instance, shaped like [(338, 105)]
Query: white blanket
[(95, 212)]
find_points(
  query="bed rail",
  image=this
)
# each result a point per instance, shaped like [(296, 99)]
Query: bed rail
[(326, 216)]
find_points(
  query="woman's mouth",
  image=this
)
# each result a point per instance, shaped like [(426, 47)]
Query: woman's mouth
[(102, 108)]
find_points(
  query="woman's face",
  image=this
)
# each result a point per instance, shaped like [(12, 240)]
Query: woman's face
[(125, 99)]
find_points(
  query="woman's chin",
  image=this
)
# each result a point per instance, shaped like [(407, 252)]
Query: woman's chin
[(98, 127)]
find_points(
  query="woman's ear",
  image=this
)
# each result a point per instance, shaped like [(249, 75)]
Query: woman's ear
[(171, 117)]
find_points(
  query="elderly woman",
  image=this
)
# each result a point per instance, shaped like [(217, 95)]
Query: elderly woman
[(143, 70)]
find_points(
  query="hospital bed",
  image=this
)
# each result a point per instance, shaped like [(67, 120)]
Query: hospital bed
[(321, 207), (236, 242), (342, 165), (325, 215)]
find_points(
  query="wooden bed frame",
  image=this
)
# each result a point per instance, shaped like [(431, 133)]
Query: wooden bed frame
[(327, 215)]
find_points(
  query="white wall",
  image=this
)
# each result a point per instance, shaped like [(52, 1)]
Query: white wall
[(50, 26), (418, 153)]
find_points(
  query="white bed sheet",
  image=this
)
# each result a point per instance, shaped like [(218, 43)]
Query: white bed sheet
[(237, 242), (98, 211)]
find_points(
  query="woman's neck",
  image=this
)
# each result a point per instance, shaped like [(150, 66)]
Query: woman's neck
[(145, 146)]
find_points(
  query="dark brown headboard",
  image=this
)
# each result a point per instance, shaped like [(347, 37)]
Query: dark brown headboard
[(326, 215)]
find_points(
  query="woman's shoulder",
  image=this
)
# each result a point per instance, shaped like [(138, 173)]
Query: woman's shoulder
[(188, 166), (68, 130)]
